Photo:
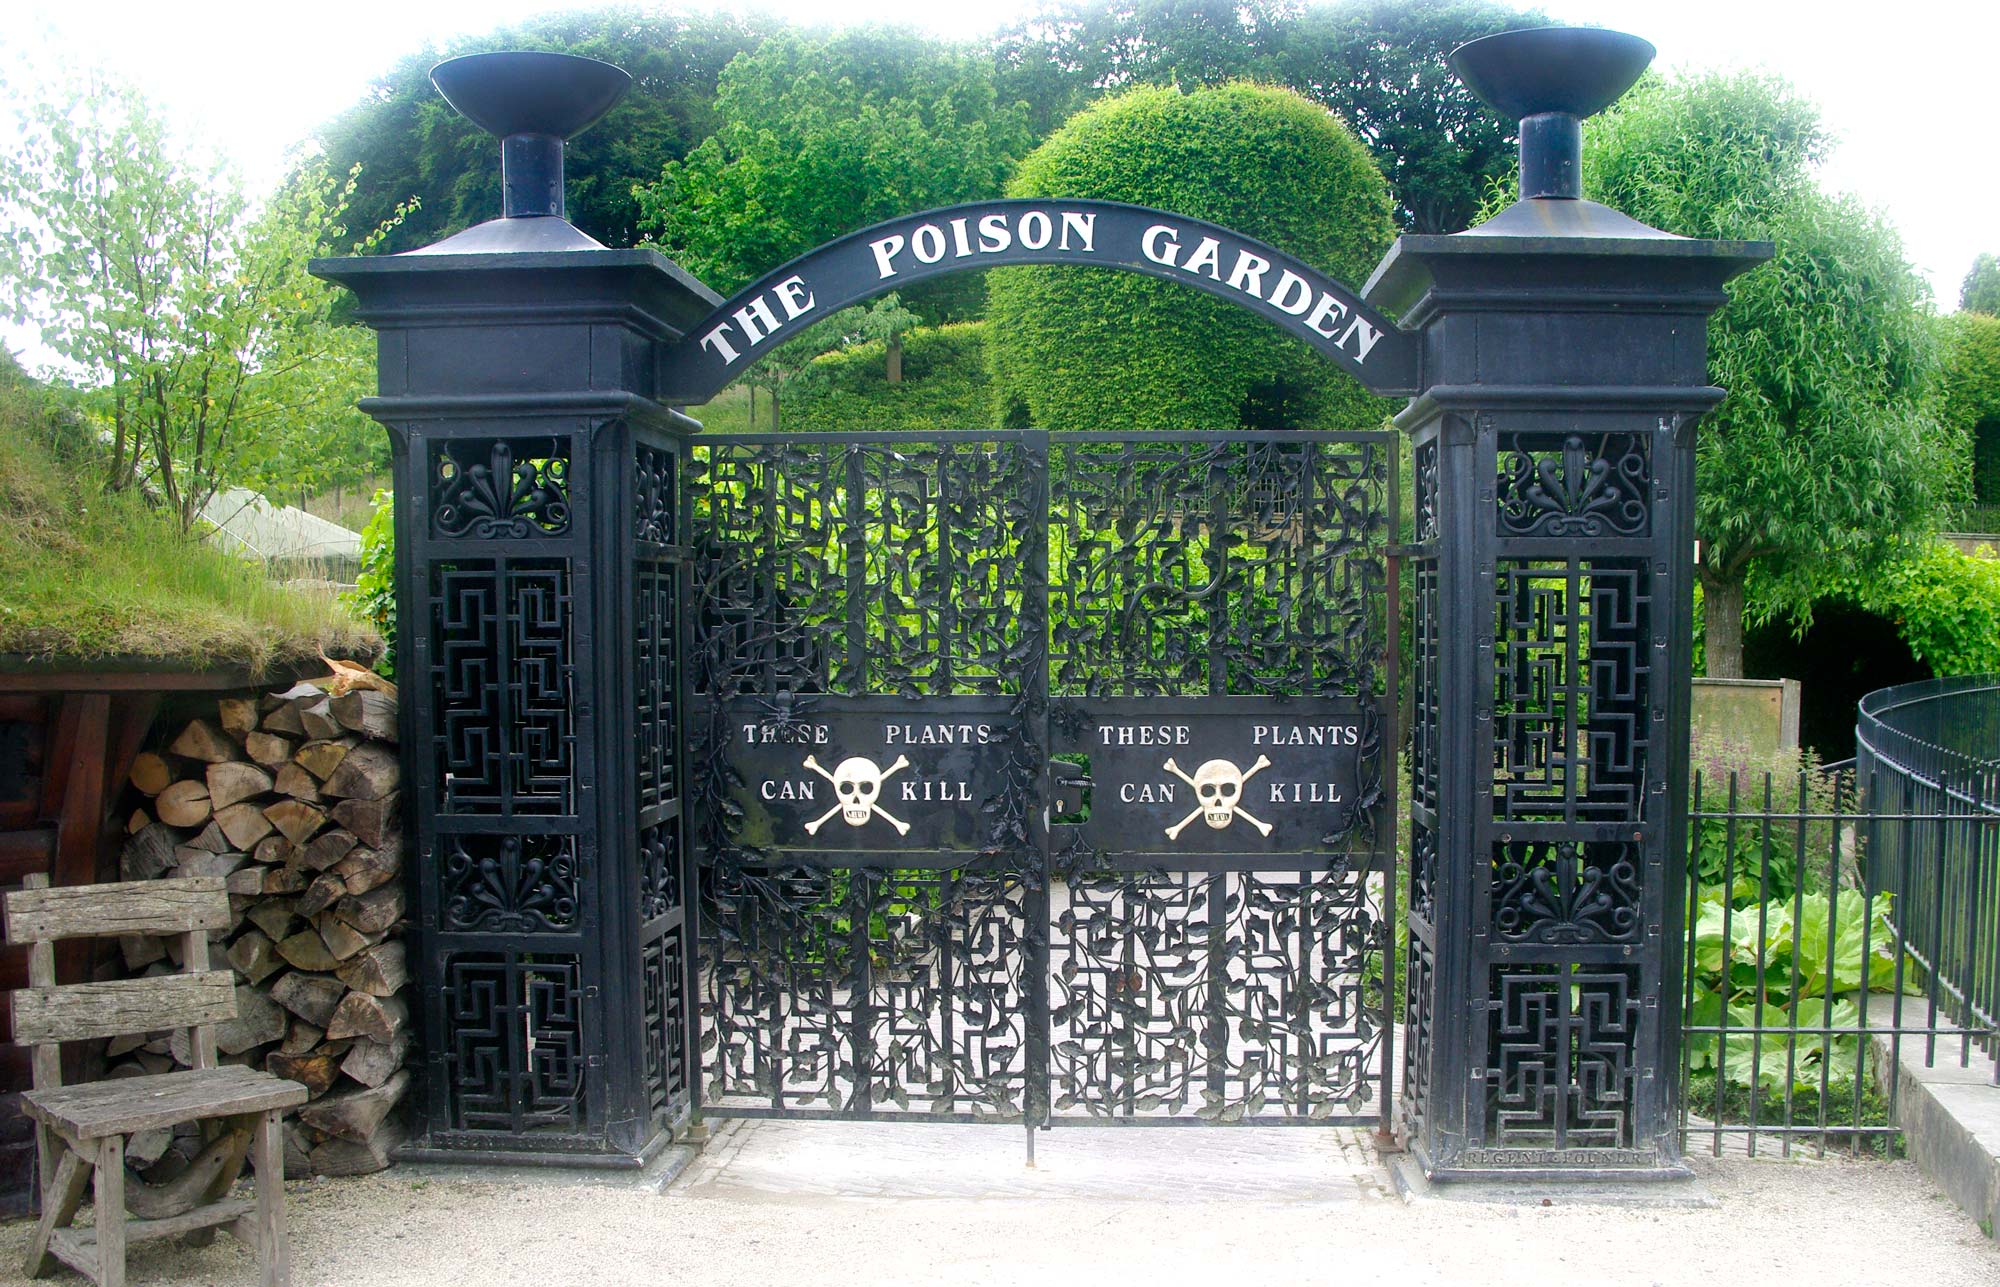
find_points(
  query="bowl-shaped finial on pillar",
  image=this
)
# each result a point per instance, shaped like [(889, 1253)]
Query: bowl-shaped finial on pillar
[(1549, 79), (532, 101)]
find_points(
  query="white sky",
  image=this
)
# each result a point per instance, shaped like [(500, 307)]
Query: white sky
[(1909, 86)]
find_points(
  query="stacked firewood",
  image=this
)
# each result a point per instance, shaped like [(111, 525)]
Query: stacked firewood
[(292, 799)]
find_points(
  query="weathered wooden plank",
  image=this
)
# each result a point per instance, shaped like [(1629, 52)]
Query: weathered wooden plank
[(225, 1212), (113, 1234), (81, 1011), (61, 1196), (266, 1229), (128, 1105), (128, 907)]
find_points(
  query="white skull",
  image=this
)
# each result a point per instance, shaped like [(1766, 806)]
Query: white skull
[(1219, 786), (857, 782)]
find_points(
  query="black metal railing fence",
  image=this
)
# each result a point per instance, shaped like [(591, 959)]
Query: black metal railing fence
[(1927, 765), (1843, 924)]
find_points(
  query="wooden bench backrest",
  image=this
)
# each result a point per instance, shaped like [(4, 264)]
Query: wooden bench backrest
[(46, 1015)]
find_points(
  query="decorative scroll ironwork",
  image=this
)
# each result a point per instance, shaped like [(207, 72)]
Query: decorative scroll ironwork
[(1226, 997), (519, 883), (516, 1057), (1574, 484), (1424, 465), (1566, 891), (1561, 1064), (655, 495), (1189, 564), (500, 487), (834, 573), (659, 870), (860, 992), (1423, 872)]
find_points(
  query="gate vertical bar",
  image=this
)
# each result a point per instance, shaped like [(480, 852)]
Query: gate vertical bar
[(1038, 1093), (1564, 362), (540, 592)]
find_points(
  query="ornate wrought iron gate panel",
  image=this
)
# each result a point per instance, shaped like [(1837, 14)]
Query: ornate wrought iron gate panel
[(1041, 778)]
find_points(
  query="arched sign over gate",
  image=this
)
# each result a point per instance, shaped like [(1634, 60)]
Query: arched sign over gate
[(1293, 295)]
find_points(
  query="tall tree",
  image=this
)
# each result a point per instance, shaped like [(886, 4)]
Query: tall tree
[(412, 146), (187, 320), (1377, 64), (1980, 293), (1075, 348), (823, 134), (1825, 454)]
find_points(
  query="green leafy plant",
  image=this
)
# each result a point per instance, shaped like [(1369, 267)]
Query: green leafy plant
[(374, 595), (1792, 974)]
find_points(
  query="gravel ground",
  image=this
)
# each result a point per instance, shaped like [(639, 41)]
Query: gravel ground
[(836, 1204)]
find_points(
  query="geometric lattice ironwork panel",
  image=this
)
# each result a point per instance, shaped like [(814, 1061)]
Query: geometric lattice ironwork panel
[(664, 1040), (656, 680), (502, 686), (1419, 1020), (1572, 703), (1561, 1062), (513, 1041)]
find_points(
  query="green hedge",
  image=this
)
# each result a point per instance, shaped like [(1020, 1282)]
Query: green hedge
[(1970, 394), (1093, 348), (944, 386)]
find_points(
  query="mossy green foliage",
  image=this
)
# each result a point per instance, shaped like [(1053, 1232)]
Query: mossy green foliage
[(1945, 603), (373, 598), (944, 385), (88, 577), (1969, 394), (1086, 348)]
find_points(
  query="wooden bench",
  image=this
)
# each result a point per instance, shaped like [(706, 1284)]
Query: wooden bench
[(81, 1131)]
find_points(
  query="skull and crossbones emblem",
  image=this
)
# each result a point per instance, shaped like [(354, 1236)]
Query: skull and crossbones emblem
[(1218, 793), (857, 788)]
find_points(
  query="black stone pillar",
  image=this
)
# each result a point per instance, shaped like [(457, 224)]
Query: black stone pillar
[(1564, 362), (541, 584)]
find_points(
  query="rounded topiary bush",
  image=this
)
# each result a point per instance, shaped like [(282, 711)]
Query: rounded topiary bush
[(1093, 348)]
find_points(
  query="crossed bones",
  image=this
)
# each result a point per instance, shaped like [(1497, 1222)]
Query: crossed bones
[(857, 787), (1222, 797)]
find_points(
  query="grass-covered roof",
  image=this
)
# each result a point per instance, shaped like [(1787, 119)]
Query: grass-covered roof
[(92, 580)]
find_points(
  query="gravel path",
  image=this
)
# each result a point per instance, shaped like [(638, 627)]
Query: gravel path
[(783, 1203)]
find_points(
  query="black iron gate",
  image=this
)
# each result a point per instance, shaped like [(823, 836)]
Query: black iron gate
[(1042, 778)]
